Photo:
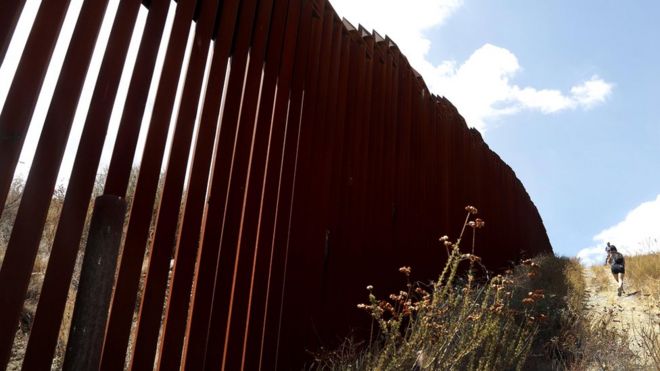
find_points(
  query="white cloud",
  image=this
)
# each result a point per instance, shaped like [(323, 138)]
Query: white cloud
[(482, 90), (545, 100), (591, 92), (637, 233), (592, 255), (478, 85), (481, 87)]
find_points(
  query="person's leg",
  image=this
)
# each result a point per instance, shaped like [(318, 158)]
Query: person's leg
[(619, 282), (616, 280)]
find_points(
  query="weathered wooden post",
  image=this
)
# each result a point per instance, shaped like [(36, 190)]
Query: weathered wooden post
[(90, 313)]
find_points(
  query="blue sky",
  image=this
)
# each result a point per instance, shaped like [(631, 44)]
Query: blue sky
[(565, 92)]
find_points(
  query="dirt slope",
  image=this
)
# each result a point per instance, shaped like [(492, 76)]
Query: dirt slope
[(630, 312)]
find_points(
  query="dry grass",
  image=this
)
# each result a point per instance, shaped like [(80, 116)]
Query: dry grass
[(602, 278), (643, 273), (453, 325)]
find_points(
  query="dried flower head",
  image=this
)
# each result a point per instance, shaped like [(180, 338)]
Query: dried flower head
[(479, 223), (471, 209), (370, 287), (536, 295), (443, 238), (448, 243), (405, 270), (497, 307), (472, 224), (474, 258)]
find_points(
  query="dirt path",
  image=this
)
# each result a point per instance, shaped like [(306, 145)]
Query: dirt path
[(630, 311)]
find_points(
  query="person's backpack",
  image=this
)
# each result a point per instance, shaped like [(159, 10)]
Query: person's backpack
[(617, 258)]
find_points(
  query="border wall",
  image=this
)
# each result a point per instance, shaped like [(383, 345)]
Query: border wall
[(319, 164)]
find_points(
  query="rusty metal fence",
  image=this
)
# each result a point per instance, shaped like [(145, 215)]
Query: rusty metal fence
[(321, 164)]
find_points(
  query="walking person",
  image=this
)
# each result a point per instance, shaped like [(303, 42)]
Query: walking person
[(618, 266)]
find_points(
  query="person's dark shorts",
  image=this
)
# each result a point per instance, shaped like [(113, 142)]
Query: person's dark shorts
[(618, 268)]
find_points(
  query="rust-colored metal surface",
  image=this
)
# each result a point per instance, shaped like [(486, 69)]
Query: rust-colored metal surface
[(174, 326), (165, 238), (321, 164), (142, 210), (25, 87), (72, 219), (10, 11), (50, 149), (211, 257)]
